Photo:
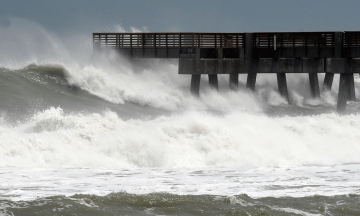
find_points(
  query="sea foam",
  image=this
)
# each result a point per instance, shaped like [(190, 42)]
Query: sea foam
[(52, 138)]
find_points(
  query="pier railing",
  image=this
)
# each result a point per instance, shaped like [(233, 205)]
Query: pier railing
[(263, 44), (224, 40), (164, 40), (351, 39), (295, 39)]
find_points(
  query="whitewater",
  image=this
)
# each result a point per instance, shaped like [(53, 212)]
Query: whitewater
[(110, 135)]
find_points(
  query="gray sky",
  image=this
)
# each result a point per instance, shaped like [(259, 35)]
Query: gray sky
[(63, 16)]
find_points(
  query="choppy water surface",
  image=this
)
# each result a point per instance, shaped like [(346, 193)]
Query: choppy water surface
[(308, 190)]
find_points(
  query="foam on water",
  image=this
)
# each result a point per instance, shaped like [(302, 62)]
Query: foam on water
[(29, 184), (52, 138)]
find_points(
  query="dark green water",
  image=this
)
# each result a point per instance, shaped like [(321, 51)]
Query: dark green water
[(168, 204)]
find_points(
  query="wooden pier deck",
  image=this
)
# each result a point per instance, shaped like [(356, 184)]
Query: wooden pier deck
[(249, 53)]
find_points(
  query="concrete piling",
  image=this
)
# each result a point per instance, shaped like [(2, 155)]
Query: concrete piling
[(251, 80), (351, 88), (346, 91), (213, 81), (343, 92), (234, 81), (314, 85), (195, 84), (282, 85), (195, 78), (328, 80)]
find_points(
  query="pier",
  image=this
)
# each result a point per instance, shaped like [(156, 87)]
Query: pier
[(250, 53)]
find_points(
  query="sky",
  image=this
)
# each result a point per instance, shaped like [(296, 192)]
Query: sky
[(87, 16)]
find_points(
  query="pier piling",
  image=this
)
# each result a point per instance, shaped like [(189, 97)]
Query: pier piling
[(328, 80), (195, 84), (343, 92), (314, 85), (282, 85), (196, 77), (213, 81), (251, 81), (233, 81), (351, 88)]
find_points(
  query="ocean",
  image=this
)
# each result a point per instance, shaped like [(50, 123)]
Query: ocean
[(105, 135)]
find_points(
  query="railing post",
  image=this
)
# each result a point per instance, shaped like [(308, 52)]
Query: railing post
[(216, 42), (199, 40), (221, 40), (294, 44), (166, 44), (281, 43), (154, 45), (143, 44), (193, 42), (131, 45), (319, 42), (237, 41), (306, 47)]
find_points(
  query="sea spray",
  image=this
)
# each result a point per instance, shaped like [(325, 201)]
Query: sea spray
[(118, 80)]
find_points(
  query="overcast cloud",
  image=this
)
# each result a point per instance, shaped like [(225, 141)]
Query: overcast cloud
[(89, 16)]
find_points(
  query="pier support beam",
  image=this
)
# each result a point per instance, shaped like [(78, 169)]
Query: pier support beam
[(314, 85), (251, 80), (213, 81), (234, 81), (195, 84), (328, 80), (343, 92), (282, 85)]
